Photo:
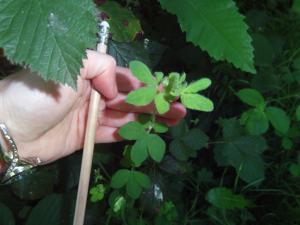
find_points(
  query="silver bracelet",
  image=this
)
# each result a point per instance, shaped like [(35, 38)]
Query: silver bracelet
[(12, 166)]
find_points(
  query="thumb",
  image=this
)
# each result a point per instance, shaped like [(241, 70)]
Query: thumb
[(101, 70)]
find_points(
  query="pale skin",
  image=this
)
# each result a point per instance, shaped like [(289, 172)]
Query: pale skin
[(48, 120)]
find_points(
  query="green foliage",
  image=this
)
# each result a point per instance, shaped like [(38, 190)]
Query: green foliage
[(46, 37), (224, 198), (217, 27), (251, 97), (135, 181), (279, 119), (97, 193), (124, 25), (243, 152), (47, 211), (6, 216)]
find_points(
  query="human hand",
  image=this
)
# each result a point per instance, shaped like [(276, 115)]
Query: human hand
[(48, 120)]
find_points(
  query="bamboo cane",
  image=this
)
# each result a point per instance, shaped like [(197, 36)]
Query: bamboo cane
[(89, 140)]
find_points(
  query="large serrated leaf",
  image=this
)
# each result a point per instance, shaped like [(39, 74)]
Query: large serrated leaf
[(46, 37), (217, 27)]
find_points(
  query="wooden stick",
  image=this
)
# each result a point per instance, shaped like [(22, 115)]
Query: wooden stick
[(89, 140)]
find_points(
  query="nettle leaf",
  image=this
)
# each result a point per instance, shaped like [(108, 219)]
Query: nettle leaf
[(161, 104), (224, 198), (124, 25), (256, 121), (156, 147), (217, 27), (142, 72), (279, 119), (197, 102), (142, 96), (132, 131), (120, 178), (197, 86), (6, 215), (139, 152), (48, 38), (243, 152), (251, 97)]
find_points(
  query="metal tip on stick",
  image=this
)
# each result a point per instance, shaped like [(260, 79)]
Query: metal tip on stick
[(104, 32)]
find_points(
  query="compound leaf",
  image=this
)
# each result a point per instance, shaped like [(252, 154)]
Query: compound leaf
[(279, 119), (197, 102), (198, 85), (139, 152), (161, 104), (120, 178), (156, 147), (132, 131), (224, 198), (48, 38), (217, 27), (142, 96), (251, 97), (141, 72)]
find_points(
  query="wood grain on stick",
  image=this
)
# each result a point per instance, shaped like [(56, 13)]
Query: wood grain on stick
[(88, 151)]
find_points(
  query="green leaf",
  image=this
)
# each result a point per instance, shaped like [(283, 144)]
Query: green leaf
[(298, 113), (160, 127), (217, 27), (286, 143), (251, 97), (133, 188), (132, 131), (243, 152), (124, 26), (156, 147), (6, 216), (139, 152), (196, 139), (48, 38), (197, 102), (295, 170), (224, 198), (256, 121), (279, 119), (142, 96), (47, 212), (296, 6), (120, 178), (198, 85), (142, 72), (97, 193), (142, 179), (162, 106), (179, 150)]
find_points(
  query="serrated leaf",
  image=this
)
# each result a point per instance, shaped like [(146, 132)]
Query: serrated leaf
[(142, 72), (198, 85), (256, 121), (132, 131), (133, 189), (139, 152), (142, 179), (197, 102), (120, 178), (6, 215), (251, 97), (224, 198), (279, 119), (161, 104), (142, 96), (216, 27), (124, 26), (156, 147), (48, 38)]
